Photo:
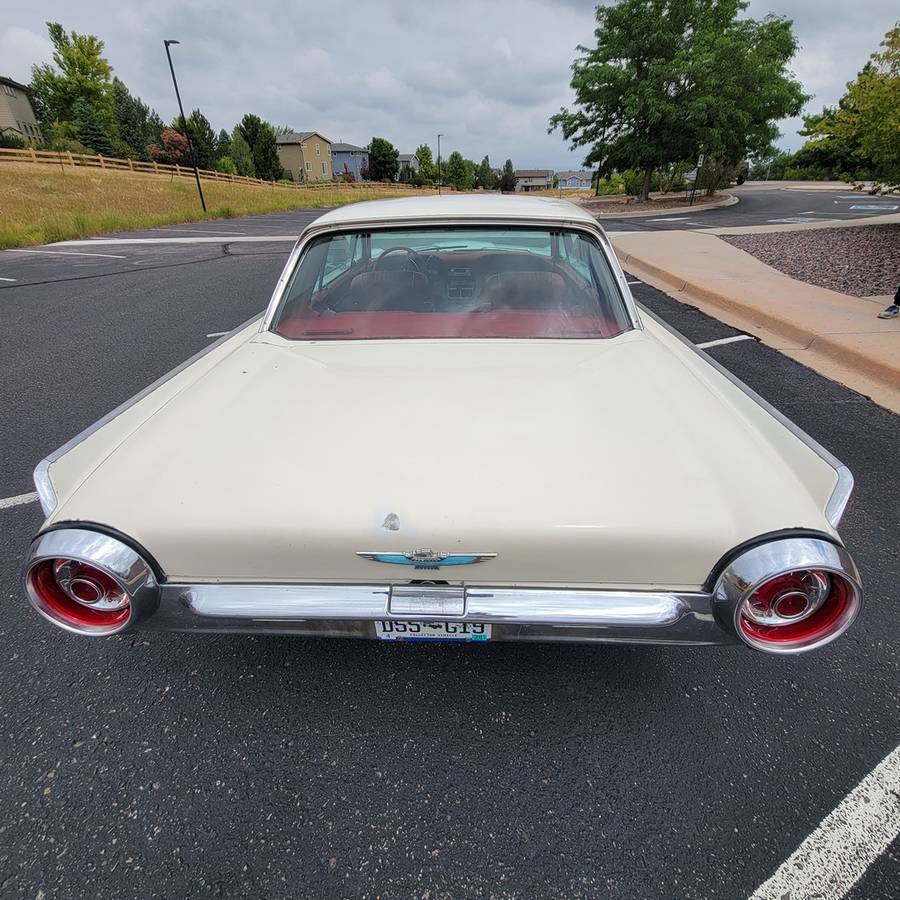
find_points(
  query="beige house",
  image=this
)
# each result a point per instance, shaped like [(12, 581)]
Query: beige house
[(533, 179), (16, 115), (305, 156)]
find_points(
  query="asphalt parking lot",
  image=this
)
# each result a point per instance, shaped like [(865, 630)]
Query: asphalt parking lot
[(760, 205), (174, 766)]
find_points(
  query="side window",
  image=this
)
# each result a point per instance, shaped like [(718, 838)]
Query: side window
[(317, 149), (344, 251), (324, 172), (308, 166)]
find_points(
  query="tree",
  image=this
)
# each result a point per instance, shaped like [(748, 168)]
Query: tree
[(868, 117), (81, 73), (671, 78), (426, 162), (260, 138), (172, 149), (455, 171), (485, 177), (384, 160), (240, 155), (91, 131), (202, 136), (135, 122), (223, 144), (507, 181)]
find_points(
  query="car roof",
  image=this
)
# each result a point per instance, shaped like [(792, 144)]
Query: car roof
[(461, 206)]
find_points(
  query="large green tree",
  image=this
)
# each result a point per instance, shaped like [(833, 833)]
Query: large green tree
[(485, 177), (79, 73), (260, 138), (239, 154), (669, 79), (384, 160), (91, 130), (427, 168), (202, 136), (868, 118), (456, 172), (136, 123), (507, 180)]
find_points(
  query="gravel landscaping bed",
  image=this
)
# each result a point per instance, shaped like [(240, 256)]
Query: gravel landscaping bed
[(862, 261), (614, 205)]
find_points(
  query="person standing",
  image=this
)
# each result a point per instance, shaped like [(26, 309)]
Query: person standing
[(893, 310)]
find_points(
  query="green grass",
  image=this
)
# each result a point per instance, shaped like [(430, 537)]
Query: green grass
[(42, 204)]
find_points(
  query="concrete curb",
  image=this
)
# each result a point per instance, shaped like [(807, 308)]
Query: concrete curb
[(842, 354), (671, 211), (886, 219)]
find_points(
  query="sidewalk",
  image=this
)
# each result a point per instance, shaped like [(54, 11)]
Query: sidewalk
[(835, 334)]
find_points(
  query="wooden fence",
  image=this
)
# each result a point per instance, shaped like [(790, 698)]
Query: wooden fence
[(64, 158)]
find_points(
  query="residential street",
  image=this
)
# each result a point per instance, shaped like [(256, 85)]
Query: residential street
[(168, 765)]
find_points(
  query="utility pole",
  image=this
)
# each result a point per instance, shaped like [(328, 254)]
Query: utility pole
[(439, 162), (187, 133)]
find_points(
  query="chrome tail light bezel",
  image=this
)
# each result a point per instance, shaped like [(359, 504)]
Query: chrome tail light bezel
[(112, 557), (760, 564)]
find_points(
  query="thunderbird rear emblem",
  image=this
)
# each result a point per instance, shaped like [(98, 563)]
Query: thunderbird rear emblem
[(425, 558)]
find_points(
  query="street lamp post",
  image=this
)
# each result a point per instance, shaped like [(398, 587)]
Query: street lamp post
[(439, 162), (187, 133)]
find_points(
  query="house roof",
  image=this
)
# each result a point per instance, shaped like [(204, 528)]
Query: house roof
[(298, 137), (15, 84), (403, 156), (347, 148), (583, 175), (533, 173)]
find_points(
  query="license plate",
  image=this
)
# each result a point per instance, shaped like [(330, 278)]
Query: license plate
[(393, 630)]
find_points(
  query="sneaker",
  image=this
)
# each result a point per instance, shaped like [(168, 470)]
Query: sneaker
[(890, 313)]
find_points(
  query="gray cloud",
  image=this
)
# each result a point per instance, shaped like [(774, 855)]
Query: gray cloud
[(486, 74)]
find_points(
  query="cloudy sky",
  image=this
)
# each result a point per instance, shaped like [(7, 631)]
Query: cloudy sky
[(486, 73)]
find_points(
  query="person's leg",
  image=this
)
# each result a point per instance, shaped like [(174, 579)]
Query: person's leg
[(892, 311)]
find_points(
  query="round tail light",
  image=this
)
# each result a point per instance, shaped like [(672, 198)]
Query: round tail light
[(789, 595), (78, 595), (88, 582)]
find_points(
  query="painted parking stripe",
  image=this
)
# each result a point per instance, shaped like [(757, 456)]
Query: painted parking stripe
[(7, 279), (634, 282), (19, 500), (65, 253), (848, 840), (729, 340), (121, 242), (213, 334), (670, 219)]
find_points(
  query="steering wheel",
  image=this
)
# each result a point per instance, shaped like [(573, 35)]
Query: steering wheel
[(411, 254)]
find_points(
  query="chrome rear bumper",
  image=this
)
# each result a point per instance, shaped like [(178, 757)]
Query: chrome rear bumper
[(514, 613)]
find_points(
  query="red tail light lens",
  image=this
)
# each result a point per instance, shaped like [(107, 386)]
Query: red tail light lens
[(79, 595), (797, 610)]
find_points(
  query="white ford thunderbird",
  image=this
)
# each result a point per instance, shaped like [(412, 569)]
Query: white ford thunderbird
[(452, 423)]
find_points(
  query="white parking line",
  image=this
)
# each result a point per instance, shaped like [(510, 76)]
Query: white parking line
[(7, 279), (848, 840), (120, 242), (7, 502), (729, 340), (213, 334), (66, 253), (670, 219), (197, 231), (634, 282)]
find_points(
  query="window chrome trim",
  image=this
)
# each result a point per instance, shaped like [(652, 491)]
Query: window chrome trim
[(594, 231), (44, 483), (843, 488)]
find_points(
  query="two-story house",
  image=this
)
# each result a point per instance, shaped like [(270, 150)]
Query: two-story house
[(16, 114), (305, 156), (409, 161), (349, 159), (571, 181), (533, 179)]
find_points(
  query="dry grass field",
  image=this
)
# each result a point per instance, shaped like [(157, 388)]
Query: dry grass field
[(44, 203)]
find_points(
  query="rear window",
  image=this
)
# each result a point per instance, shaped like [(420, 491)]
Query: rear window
[(452, 282)]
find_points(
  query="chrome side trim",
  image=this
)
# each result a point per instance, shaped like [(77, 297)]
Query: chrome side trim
[(115, 558), (840, 494), (313, 231), (42, 481), (765, 561)]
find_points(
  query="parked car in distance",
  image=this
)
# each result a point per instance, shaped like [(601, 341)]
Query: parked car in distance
[(451, 423)]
